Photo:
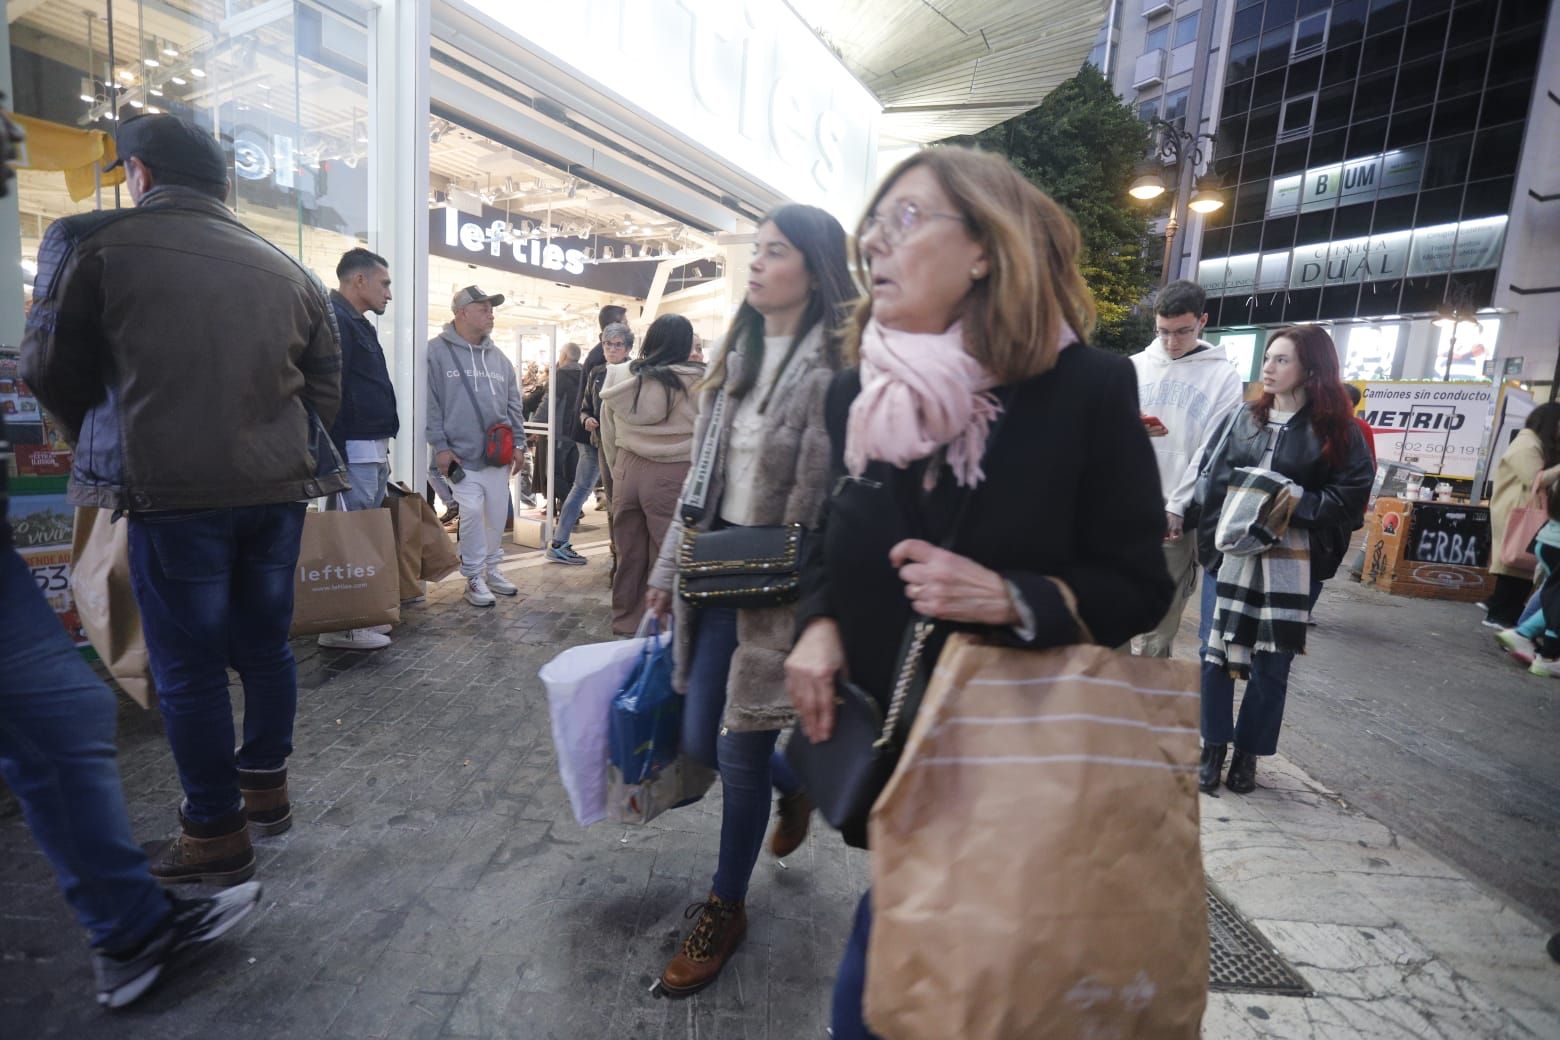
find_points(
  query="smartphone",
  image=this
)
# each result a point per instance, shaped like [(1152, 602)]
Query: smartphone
[(455, 474)]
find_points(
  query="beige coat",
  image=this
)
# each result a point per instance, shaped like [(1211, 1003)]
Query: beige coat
[(1513, 483), (792, 485), (658, 430)]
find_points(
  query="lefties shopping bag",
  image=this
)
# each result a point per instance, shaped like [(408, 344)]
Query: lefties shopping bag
[(347, 575), (105, 601), (581, 685), (1036, 871), (423, 550)]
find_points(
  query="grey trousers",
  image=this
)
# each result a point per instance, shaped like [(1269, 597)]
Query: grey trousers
[(1181, 561)]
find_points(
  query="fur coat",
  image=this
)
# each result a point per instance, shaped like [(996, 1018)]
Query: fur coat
[(792, 485)]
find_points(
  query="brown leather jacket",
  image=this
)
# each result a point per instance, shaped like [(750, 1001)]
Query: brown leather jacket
[(183, 354)]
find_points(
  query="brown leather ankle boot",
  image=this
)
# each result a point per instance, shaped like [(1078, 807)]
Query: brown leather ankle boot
[(216, 853), (707, 948), (265, 800), (794, 813)]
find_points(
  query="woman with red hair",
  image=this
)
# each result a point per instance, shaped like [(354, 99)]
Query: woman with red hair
[(1303, 428)]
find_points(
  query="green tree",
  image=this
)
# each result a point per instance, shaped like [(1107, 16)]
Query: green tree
[(1080, 146)]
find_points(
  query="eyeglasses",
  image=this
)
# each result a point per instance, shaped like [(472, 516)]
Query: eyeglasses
[(1182, 333), (900, 223)]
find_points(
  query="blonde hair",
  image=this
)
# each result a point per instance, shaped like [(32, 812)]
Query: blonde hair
[(1014, 317)]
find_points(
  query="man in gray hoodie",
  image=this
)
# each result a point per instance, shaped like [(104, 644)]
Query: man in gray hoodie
[(471, 387)]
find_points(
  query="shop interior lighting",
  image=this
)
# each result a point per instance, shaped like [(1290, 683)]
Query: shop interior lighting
[(170, 50), (151, 63), (156, 92), (178, 81), (198, 72), (154, 110), (127, 75), (88, 89), (137, 103)]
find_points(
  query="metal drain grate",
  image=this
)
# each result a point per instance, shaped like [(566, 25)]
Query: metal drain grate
[(1241, 960)]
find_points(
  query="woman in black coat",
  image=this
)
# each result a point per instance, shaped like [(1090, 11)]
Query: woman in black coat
[(979, 451), (1303, 428)]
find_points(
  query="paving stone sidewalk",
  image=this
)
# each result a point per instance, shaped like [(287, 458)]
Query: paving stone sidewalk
[(435, 884)]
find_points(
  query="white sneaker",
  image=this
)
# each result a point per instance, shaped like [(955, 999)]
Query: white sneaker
[(496, 582), (1548, 666), (356, 639), (1516, 644), (383, 630), (477, 593)]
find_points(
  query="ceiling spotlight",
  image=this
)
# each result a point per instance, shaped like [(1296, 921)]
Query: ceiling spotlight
[(126, 75), (198, 73), (151, 63), (170, 50), (137, 103), (157, 92), (180, 80), (154, 110)]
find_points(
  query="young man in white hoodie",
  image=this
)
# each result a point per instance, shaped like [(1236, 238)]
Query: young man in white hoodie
[(1186, 386)]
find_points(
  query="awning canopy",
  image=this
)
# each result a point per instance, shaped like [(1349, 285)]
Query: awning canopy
[(949, 67)]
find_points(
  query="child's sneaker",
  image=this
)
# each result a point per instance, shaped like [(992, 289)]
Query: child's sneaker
[(1516, 644), (1549, 666)]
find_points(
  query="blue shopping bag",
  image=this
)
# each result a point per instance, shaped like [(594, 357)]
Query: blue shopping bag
[(646, 719)]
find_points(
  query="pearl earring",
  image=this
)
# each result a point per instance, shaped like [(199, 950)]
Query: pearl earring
[(975, 274)]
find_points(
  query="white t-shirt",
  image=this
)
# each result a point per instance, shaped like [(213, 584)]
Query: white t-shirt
[(745, 440), (368, 451), (1277, 420)]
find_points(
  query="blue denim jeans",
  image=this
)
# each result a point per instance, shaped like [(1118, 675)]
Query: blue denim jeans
[(587, 471), (848, 1019), (215, 587), (369, 480), (749, 767), (1262, 708), (57, 754)]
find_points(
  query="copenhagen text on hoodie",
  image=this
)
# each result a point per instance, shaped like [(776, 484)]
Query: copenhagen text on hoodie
[(1189, 394), (452, 423)]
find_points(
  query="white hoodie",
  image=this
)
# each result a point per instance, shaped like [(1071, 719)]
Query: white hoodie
[(1189, 395)]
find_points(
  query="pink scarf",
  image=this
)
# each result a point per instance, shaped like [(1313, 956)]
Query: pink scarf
[(920, 392)]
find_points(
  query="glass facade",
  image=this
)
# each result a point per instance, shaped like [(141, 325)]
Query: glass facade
[(1369, 149), (282, 85)]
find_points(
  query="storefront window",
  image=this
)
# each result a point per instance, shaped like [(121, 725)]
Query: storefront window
[(283, 86), (1474, 349), (1242, 350), (1371, 351)]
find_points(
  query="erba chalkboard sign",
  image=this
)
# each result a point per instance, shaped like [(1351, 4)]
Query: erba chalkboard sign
[(1449, 534)]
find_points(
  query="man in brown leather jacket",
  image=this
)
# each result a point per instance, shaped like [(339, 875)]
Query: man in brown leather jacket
[(196, 368)]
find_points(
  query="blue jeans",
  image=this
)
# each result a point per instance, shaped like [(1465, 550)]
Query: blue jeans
[(1262, 708), (587, 471), (850, 984), (215, 587), (369, 480), (57, 753), (748, 765)]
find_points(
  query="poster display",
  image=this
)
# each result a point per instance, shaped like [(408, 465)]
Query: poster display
[(41, 526), (1436, 426)]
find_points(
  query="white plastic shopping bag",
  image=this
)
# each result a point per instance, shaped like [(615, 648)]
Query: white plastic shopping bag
[(581, 683)]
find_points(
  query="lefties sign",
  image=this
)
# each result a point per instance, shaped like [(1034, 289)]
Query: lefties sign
[(495, 239)]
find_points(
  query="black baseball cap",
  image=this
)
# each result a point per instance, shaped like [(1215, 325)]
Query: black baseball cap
[(172, 145), (471, 294)]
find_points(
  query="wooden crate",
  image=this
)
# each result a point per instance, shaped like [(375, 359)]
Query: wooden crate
[(1386, 538)]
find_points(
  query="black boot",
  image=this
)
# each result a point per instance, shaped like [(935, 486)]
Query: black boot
[(1242, 778), (1211, 765)]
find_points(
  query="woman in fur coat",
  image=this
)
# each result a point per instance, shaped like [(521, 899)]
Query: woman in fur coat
[(771, 468)]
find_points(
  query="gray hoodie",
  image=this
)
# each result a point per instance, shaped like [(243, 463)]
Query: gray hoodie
[(453, 424)]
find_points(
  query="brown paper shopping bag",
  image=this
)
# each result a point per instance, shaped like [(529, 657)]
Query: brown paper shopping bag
[(347, 574), (105, 601), (1036, 871), (423, 550)]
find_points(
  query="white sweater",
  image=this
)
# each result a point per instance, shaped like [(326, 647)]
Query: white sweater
[(1190, 395)]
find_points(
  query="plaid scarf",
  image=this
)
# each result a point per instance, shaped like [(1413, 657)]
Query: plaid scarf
[(1264, 583)]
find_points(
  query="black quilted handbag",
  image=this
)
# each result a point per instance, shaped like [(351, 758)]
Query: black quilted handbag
[(741, 566)]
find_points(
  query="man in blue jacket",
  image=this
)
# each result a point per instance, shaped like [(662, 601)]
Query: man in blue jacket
[(368, 417)]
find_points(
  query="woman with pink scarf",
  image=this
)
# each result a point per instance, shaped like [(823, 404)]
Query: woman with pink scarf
[(980, 449)]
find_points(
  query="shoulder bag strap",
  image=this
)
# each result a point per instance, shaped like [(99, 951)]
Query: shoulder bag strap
[(466, 382), (695, 504)]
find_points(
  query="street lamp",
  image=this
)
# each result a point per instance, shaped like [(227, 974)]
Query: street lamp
[(1186, 152)]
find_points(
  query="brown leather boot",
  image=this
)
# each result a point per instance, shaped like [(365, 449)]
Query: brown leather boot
[(265, 800), (794, 813), (216, 853), (709, 946)]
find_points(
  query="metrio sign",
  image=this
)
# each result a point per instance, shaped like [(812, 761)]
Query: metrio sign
[(746, 80)]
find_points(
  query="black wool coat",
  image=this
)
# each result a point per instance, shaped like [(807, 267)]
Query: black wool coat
[(1071, 491)]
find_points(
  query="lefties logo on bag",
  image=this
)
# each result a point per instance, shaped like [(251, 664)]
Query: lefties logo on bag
[(335, 572)]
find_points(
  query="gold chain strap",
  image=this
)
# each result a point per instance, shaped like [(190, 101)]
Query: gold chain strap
[(922, 631)]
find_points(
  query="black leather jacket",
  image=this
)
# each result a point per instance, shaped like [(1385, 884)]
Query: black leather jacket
[(1334, 502)]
